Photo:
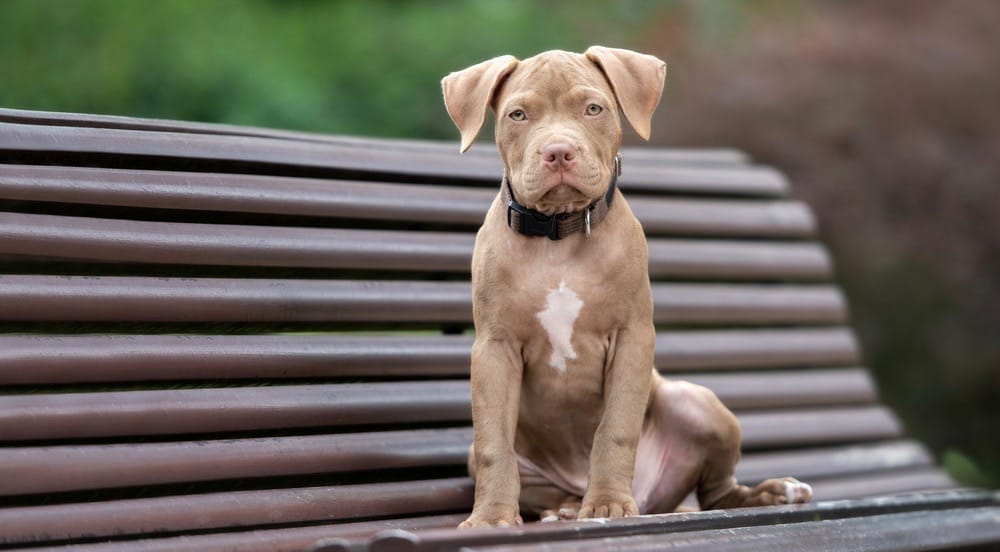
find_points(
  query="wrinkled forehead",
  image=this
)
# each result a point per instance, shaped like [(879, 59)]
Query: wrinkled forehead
[(551, 74)]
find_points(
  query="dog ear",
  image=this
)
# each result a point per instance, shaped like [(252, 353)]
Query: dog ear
[(637, 80), (467, 94)]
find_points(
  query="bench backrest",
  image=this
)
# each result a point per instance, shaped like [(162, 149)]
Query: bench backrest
[(206, 328)]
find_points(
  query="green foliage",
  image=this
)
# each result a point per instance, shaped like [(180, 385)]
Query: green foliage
[(963, 469), (368, 67)]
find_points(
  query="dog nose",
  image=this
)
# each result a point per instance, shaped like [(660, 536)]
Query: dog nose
[(559, 156)]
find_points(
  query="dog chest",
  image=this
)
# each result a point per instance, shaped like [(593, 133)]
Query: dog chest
[(562, 307)]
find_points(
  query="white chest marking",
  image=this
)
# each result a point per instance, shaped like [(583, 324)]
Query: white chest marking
[(562, 306)]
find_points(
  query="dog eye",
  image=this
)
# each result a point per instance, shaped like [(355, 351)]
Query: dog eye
[(517, 115), (594, 109)]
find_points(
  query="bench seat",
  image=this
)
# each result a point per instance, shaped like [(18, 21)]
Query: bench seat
[(216, 337)]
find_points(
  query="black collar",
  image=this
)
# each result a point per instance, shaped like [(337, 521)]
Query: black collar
[(556, 227)]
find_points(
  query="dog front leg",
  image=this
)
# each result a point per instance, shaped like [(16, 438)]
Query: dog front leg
[(496, 391), (626, 394)]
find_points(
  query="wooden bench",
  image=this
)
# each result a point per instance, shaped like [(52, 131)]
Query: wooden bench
[(217, 337)]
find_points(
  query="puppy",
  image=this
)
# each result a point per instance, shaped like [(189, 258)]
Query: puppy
[(571, 420)]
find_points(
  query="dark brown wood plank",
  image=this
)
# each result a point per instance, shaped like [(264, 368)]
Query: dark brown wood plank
[(186, 411), (105, 240), (164, 148), (171, 412), (49, 469), (966, 529), (309, 197), (152, 516), (371, 200), (796, 428), (842, 461), (102, 240), (961, 528), (45, 359), (435, 532), (565, 533), (737, 304), (285, 539), (891, 483), (761, 390), (757, 260), (40, 359), (732, 349), (53, 298), (734, 218), (110, 299), (715, 156), (61, 468), (253, 508)]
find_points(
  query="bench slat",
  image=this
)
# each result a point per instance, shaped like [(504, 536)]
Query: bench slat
[(54, 469), (732, 349), (54, 298), (268, 154), (759, 390), (426, 535), (27, 359), (285, 539), (150, 516), (370, 200), (887, 483), (253, 508), (51, 469), (103, 240), (952, 529), (834, 462), (932, 529), (819, 426), (718, 156), (449, 539), (185, 411)]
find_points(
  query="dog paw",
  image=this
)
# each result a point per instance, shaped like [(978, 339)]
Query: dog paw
[(610, 507), (787, 490), (497, 518), (566, 511)]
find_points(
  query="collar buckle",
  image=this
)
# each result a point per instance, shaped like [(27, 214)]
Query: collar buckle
[(533, 223)]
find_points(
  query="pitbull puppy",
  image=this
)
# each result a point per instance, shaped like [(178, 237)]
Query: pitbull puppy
[(571, 419)]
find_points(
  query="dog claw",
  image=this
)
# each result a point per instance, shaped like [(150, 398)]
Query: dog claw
[(611, 509), (787, 490), (797, 492)]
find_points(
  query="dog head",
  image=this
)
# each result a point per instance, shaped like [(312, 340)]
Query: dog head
[(558, 127)]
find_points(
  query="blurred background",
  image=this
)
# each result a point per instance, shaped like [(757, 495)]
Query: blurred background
[(885, 114)]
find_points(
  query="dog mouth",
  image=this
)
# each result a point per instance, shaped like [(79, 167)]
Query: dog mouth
[(563, 197), (562, 191)]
